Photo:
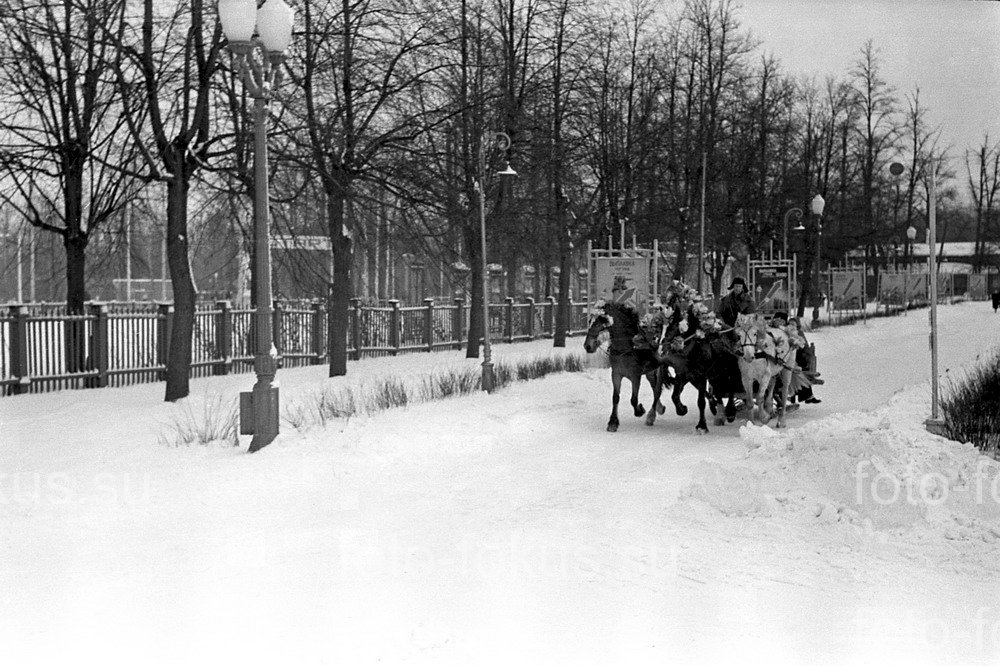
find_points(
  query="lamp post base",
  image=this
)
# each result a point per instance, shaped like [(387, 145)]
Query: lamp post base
[(936, 427), (489, 380), (259, 413)]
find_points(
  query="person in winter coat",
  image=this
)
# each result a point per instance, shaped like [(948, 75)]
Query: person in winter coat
[(738, 301), (803, 359)]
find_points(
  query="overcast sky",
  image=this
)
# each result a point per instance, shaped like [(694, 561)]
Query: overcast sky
[(950, 48)]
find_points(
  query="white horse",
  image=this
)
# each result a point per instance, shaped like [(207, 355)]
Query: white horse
[(765, 355)]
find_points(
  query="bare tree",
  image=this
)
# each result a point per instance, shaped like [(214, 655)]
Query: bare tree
[(63, 138), (356, 71), (983, 170), (173, 59), (877, 136), (63, 133)]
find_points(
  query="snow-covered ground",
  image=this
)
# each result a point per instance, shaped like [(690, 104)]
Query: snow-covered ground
[(510, 528)]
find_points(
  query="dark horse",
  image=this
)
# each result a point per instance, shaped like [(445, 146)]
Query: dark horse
[(622, 325), (707, 362)]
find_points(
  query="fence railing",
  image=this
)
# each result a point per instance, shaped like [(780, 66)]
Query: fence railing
[(115, 344)]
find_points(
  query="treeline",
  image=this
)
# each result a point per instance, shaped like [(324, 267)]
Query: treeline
[(616, 113)]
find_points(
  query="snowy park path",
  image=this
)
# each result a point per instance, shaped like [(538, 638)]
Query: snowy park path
[(509, 528)]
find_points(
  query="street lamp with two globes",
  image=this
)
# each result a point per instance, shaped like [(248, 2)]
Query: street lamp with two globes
[(259, 62)]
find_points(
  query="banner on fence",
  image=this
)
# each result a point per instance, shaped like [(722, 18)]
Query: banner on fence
[(772, 283), (916, 287), (847, 290), (630, 273), (892, 288), (977, 287), (945, 287)]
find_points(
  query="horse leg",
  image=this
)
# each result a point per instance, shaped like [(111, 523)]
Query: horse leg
[(731, 408), (767, 401), (748, 391), (616, 386), (636, 380), (657, 405), (656, 381), (786, 379), (675, 395), (702, 427)]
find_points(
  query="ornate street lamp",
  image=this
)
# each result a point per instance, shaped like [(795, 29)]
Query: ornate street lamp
[(488, 380), (259, 63), (784, 228)]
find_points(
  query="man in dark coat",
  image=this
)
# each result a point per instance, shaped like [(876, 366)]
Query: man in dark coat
[(738, 301)]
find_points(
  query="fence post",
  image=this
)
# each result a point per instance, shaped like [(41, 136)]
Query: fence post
[(531, 318), (276, 330), (429, 323), (458, 319), (509, 323), (223, 338), (318, 320), (550, 317), (164, 323), (356, 328), (19, 348), (100, 344), (395, 321)]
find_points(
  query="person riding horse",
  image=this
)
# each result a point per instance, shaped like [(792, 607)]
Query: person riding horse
[(738, 301)]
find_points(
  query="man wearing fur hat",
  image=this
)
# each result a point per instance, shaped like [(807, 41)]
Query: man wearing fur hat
[(738, 301)]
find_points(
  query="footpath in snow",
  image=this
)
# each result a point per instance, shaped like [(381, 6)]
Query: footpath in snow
[(511, 528)]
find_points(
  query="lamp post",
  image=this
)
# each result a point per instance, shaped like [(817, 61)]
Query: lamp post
[(816, 206), (935, 423), (488, 380), (259, 63), (784, 229)]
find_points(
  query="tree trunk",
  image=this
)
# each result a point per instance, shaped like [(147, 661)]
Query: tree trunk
[(340, 288), (179, 356), (76, 295)]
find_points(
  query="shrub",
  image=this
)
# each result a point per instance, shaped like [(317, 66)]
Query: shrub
[(322, 407), (390, 393), (971, 406), (328, 404), (217, 421)]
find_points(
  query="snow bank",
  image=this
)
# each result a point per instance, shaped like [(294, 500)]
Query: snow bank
[(874, 476)]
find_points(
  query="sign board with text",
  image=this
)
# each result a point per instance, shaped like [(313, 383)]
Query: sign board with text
[(772, 285), (632, 270)]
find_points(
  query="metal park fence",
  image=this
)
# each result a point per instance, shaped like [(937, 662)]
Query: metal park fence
[(42, 348)]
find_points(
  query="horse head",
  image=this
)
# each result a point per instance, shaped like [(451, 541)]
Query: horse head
[(784, 350), (597, 332), (620, 321), (750, 329)]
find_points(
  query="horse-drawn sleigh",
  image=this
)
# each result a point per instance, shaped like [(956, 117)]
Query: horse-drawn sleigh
[(682, 342)]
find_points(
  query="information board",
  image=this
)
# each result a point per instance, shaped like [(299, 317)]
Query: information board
[(632, 273), (847, 290), (772, 284)]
